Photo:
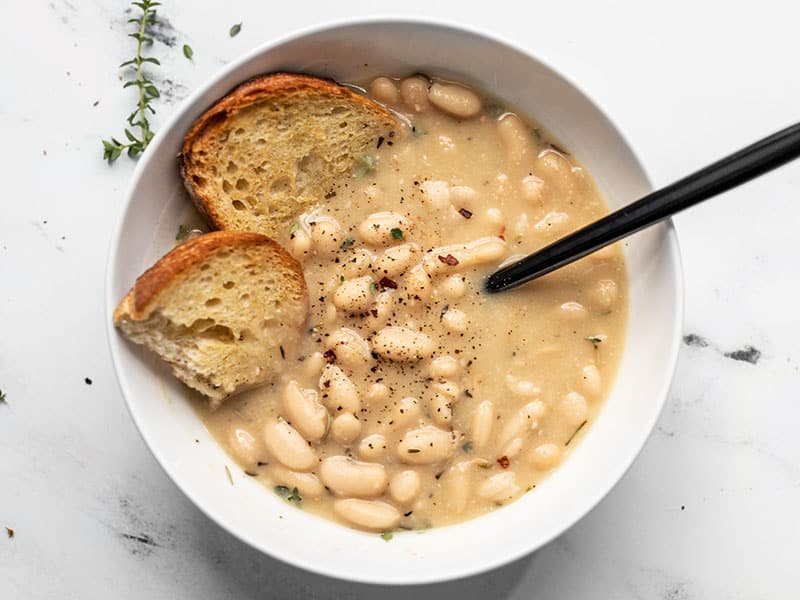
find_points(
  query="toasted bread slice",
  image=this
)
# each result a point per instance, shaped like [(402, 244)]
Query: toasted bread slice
[(276, 145), (222, 309)]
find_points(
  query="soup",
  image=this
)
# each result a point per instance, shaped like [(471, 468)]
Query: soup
[(415, 399)]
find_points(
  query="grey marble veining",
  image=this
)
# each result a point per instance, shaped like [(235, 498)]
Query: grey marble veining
[(709, 509)]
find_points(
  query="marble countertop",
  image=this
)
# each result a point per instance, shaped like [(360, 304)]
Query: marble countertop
[(709, 509)]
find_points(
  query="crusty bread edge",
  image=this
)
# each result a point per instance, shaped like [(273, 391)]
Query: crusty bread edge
[(246, 94), (136, 305)]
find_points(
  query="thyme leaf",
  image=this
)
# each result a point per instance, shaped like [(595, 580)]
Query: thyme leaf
[(147, 91)]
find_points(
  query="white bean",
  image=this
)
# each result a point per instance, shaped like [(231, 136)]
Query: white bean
[(447, 388), (304, 411), (339, 393), (354, 296), (455, 100), (404, 486), (357, 263), (307, 484), (500, 487), (456, 486), (326, 234), (404, 413), (367, 514), (378, 393), (592, 382), (522, 387), (463, 196), (482, 422), (443, 366), (384, 90), (604, 295), (546, 456), (425, 445), (287, 446), (526, 418), (556, 164), (495, 216), (436, 193), (377, 228), (554, 221), (347, 477), (455, 320), (441, 409), (418, 283), (299, 244), (533, 189), (574, 409), (401, 344), (513, 447), (452, 288), (345, 428), (516, 138), (414, 92), (573, 310), (457, 257), (314, 364), (350, 348), (380, 311), (372, 447), (396, 260), (244, 446)]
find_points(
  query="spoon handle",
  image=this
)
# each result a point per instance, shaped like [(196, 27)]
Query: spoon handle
[(729, 172)]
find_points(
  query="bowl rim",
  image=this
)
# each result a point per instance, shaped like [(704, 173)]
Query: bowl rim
[(671, 249)]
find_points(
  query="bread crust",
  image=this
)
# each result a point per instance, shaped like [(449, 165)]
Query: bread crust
[(167, 271), (253, 91)]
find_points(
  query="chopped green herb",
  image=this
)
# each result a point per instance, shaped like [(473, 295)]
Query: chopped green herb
[(293, 229), (282, 490), (417, 132), (595, 339), (413, 450), (147, 91), (187, 51), (3, 397), (235, 30), (228, 473), (386, 536), (366, 165), (283, 352), (341, 278), (183, 231), (467, 447), (397, 233), (295, 497), (574, 433), (373, 287), (330, 195), (347, 243)]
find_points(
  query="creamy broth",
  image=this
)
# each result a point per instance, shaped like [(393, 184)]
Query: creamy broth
[(417, 400)]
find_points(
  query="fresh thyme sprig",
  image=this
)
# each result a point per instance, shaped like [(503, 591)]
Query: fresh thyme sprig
[(113, 148)]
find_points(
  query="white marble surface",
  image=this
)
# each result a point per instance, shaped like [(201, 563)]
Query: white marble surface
[(709, 510)]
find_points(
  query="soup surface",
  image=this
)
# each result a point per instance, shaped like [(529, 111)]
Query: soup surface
[(415, 399)]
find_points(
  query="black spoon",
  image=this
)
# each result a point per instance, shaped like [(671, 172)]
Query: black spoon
[(733, 170)]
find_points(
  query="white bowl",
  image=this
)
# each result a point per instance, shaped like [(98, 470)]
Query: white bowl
[(169, 426)]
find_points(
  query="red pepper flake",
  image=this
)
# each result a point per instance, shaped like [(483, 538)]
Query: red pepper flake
[(503, 461), (385, 282), (464, 213), (330, 356), (449, 260), (502, 235), (9, 532)]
